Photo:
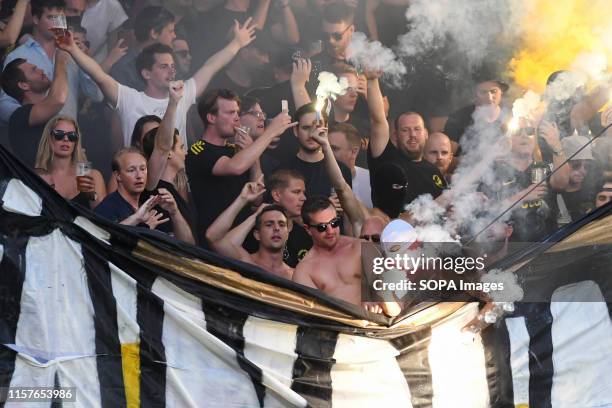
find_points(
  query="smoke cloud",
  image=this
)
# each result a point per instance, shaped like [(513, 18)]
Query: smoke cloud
[(372, 55)]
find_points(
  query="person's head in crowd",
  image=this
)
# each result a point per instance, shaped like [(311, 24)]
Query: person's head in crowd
[(345, 143), (345, 104), (255, 56), (176, 156), (43, 12), (438, 151), (79, 35), (306, 117), (390, 186), (253, 116), (604, 195), (282, 63), (155, 64), (130, 169), (287, 188), (154, 24), (411, 135), (488, 90), (61, 138), (579, 164), (523, 140), (182, 54), (75, 8), (219, 109), (272, 228), (321, 221), (142, 127), (372, 229), (337, 28), (24, 82)]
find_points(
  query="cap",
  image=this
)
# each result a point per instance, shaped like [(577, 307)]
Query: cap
[(488, 73), (572, 144)]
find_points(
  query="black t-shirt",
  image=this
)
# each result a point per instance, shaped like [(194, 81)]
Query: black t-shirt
[(317, 180), (422, 177), (222, 81), (298, 244), (533, 220), (579, 203), (23, 137), (211, 194)]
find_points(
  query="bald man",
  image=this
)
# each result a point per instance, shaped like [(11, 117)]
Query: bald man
[(438, 152)]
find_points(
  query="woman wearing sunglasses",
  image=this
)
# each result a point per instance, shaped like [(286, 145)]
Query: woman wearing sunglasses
[(59, 151)]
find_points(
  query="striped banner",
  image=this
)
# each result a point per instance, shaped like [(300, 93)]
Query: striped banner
[(132, 318)]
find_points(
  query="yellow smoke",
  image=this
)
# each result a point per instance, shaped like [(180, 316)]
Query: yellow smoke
[(555, 33)]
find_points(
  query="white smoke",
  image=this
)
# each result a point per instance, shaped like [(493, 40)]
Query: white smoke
[(329, 88), (372, 55), (513, 292), (471, 25)]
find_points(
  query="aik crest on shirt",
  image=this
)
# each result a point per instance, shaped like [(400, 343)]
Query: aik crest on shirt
[(197, 147)]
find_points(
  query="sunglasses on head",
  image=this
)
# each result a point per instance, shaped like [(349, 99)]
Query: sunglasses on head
[(334, 223), (374, 238), (73, 136), (335, 35)]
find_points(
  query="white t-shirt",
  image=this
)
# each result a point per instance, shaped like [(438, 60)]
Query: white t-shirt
[(132, 105), (100, 20), (361, 186)]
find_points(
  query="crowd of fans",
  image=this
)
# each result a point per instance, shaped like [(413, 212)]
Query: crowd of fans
[(204, 112)]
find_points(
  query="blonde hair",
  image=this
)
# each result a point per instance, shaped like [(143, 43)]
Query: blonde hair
[(44, 155)]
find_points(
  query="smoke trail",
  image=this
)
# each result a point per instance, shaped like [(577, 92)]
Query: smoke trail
[(372, 55)]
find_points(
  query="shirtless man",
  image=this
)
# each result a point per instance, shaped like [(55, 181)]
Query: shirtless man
[(271, 231), (333, 264)]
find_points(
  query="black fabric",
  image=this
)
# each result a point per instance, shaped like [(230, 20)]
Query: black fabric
[(312, 368), (227, 325), (416, 369), (81, 199), (12, 276), (298, 244), (212, 194), (108, 345), (317, 180), (422, 177), (23, 137), (150, 317), (496, 342)]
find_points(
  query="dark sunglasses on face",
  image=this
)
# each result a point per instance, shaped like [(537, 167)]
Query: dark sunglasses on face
[(529, 131), (182, 53), (334, 223), (374, 238), (73, 136), (335, 35)]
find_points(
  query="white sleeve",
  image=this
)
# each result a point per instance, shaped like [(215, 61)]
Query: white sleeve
[(126, 97), (189, 97)]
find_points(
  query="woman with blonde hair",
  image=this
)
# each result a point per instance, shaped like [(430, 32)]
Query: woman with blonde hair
[(59, 151)]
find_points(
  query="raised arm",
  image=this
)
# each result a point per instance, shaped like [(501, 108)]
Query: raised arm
[(12, 29), (550, 133), (299, 77), (247, 157), (379, 136), (588, 107), (287, 31), (109, 87), (355, 211), (219, 236), (164, 138), (261, 14), (58, 93), (243, 35)]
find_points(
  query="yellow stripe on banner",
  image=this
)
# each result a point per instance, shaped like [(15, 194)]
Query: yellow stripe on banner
[(130, 360)]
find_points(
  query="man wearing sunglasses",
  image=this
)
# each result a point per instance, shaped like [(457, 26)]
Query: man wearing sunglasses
[(337, 30), (585, 176), (333, 264), (40, 100)]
